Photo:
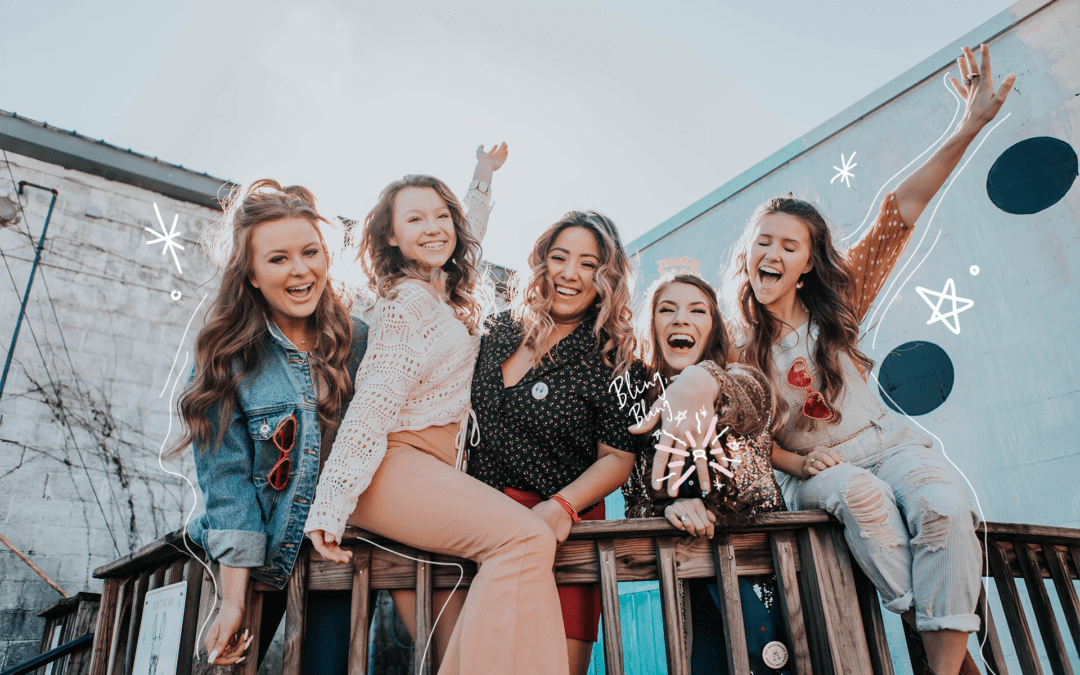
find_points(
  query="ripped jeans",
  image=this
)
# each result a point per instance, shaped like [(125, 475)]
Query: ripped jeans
[(907, 520)]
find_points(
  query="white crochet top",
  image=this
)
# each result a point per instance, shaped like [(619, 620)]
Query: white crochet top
[(416, 373)]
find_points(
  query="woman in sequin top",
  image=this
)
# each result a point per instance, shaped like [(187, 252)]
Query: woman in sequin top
[(907, 516), (685, 334)]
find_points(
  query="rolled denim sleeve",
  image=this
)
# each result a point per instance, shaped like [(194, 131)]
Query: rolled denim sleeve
[(235, 532)]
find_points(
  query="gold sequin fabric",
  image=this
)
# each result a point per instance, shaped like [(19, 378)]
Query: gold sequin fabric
[(744, 405)]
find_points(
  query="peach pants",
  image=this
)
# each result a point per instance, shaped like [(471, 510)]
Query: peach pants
[(511, 621)]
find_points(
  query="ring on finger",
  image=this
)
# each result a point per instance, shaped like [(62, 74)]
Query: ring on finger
[(967, 81), (684, 517)]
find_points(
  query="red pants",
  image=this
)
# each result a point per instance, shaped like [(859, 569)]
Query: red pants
[(580, 602)]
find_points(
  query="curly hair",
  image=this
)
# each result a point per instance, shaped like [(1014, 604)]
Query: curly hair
[(229, 346), (826, 294), (613, 279), (384, 265)]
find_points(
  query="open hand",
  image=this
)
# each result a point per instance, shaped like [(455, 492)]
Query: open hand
[(977, 87), (685, 413), (328, 546), (494, 159)]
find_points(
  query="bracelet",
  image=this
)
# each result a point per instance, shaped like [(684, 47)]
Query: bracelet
[(567, 506)]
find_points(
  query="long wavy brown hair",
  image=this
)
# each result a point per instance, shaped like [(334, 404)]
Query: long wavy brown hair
[(232, 342), (384, 265), (613, 277), (826, 294)]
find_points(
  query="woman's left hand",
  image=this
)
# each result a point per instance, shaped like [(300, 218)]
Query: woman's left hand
[(692, 516), (982, 102), (556, 518), (494, 159)]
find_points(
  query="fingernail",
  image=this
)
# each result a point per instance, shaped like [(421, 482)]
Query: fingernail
[(241, 659), (248, 643), (213, 655)]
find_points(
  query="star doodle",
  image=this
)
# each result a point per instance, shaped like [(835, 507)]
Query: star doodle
[(680, 416), (845, 174), (948, 293), (167, 237)]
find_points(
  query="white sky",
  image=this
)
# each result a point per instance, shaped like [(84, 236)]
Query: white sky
[(635, 108)]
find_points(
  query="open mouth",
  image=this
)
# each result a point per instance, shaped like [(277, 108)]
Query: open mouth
[(681, 342), (568, 292), (769, 275), (433, 245), (300, 291)]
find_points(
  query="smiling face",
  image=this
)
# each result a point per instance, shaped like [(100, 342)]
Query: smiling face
[(682, 325), (778, 255), (423, 228), (571, 262), (288, 266)]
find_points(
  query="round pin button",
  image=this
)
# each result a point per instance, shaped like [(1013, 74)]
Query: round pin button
[(774, 655), (264, 428), (539, 391)]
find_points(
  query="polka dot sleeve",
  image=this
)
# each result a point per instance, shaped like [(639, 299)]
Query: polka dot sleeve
[(873, 257)]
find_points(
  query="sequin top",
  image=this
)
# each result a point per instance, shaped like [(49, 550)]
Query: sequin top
[(743, 404)]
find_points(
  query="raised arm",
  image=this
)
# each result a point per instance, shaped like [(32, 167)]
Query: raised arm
[(477, 200), (983, 104)]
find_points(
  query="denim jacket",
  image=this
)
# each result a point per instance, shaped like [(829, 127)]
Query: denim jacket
[(246, 522)]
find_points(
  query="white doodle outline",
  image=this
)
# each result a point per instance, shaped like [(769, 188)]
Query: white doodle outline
[(167, 237), (845, 173), (945, 294)]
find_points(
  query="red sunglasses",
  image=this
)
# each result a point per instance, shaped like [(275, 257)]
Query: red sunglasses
[(283, 439), (814, 405)]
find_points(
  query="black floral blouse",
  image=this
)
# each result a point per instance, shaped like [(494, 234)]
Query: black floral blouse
[(541, 434)]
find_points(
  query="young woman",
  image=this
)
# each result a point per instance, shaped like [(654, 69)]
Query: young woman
[(553, 435), (273, 371), (685, 333), (393, 463), (799, 302)]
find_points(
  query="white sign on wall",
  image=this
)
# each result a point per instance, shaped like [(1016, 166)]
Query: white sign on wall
[(159, 633)]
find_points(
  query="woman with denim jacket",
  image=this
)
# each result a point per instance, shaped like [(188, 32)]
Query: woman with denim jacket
[(273, 372)]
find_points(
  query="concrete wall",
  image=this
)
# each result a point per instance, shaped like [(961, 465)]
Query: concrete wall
[(1010, 421), (81, 420)]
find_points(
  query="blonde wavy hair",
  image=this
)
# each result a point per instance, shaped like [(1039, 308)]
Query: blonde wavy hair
[(459, 278), (613, 279)]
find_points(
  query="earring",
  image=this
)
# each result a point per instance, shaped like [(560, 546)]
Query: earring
[(799, 284)]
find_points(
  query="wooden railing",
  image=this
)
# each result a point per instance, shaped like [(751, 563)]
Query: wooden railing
[(831, 612)]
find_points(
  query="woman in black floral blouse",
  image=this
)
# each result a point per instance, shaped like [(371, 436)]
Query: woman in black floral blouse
[(686, 338), (553, 428)]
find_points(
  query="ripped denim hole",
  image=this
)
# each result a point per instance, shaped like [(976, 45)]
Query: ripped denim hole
[(924, 475), (870, 510), (934, 528)]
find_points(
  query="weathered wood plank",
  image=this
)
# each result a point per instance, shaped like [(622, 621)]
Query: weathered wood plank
[(787, 586), (873, 623), (360, 611), (731, 612), (174, 573), (423, 651), (1066, 591), (193, 574), (674, 631), (609, 605), (295, 615), (1014, 611), (1044, 611), (119, 636), (142, 583), (990, 644), (162, 551), (252, 618), (660, 527), (831, 583), (99, 661)]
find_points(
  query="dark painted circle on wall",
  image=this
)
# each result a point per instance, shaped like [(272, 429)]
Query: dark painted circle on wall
[(915, 378), (1032, 175)]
